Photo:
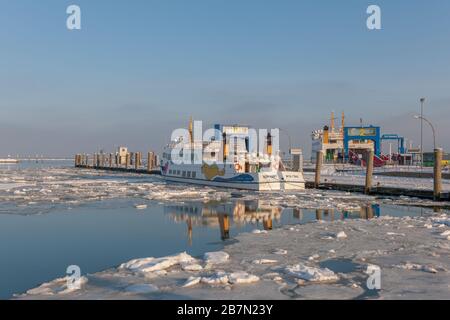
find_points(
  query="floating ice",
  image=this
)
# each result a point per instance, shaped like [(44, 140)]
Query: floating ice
[(417, 267), (191, 266), (219, 277), (311, 274), (216, 257), (257, 231), (58, 286), (445, 233), (395, 234), (341, 235), (264, 261), (242, 277), (146, 265), (140, 206), (280, 251), (192, 281)]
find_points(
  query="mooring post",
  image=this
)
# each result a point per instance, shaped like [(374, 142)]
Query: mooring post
[(136, 161), (437, 174), (319, 161), (127, 160), (369, 171), (76, 160), (149, 164)]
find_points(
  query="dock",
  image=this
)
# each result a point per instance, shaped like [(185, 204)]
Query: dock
[(380, 190), (132, 163)]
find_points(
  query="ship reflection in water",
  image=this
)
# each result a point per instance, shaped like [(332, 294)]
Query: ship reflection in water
[(254, 214)]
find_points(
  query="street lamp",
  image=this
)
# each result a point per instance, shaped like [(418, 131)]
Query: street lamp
[(432, 128), (422, 101)]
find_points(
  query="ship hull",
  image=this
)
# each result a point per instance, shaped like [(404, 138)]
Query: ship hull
[(261, 181)]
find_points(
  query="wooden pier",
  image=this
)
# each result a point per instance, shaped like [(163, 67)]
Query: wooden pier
[(132, 163), (380, 190), (128, 162)]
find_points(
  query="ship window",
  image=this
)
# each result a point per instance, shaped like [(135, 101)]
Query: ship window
[(188, 174), (184, 174), (178, 172), (194, 174)]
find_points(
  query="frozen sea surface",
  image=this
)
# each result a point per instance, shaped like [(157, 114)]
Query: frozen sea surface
[(53, 216)]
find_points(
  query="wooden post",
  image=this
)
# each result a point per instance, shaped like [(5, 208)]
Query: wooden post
[(224, 224), (319, 161), (76, 160), (86, 158), (318, 214), (149, 161), (110, 160), (127, 160), (136, 160), (369, 172), (267, 224), (437, 174)]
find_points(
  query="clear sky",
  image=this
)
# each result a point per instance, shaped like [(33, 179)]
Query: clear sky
[(140, 68)]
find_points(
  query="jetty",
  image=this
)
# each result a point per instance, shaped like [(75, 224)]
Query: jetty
[(9, 161)]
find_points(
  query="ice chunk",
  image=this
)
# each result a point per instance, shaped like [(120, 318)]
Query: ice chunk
[(216, 257), (192, 281), (314, 257), (219, 278), (445, 233), (58, 286), (280, 251), (264, 261), (417, 267), (257, 231), (142, 288), (341, 235), (311, 274), (395, 234), (146, 265), (242, 277), (191, 266), (140, 206)]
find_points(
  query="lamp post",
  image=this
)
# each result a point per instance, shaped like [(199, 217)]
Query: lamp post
[(422, 101), (422, 118)]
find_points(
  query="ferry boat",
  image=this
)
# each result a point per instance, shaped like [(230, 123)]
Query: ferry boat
[(9, 161), (220, 167)]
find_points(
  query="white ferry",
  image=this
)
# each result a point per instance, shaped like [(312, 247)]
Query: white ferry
[(9, 161), (219, 167)]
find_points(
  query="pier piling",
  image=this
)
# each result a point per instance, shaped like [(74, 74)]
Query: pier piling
[(437, 190), (369, 172), (136, 160)]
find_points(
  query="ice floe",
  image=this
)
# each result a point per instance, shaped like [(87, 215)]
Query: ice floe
[(216, 257), (242, 277), (146, 265), (313, 274)]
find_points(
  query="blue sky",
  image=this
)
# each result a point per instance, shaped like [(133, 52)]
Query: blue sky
[(139, 69)]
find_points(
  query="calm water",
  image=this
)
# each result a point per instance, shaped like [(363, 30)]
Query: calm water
[(98, 235)]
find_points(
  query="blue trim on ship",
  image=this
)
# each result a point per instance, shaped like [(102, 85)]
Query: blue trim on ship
[(239, 178)]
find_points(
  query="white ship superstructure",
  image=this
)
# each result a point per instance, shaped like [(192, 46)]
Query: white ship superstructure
[(228, 163)]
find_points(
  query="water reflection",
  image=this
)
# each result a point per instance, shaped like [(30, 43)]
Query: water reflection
[(257, 213)]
